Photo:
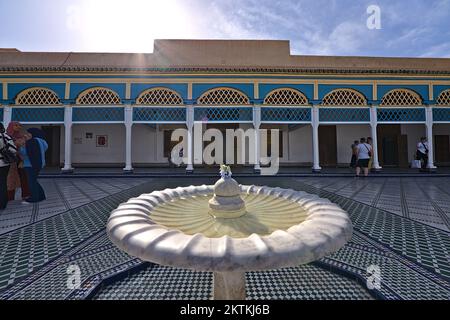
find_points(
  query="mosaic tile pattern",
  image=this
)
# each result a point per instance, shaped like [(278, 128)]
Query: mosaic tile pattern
[(24, 250), (426, 200), (62, 195), (413, 257)]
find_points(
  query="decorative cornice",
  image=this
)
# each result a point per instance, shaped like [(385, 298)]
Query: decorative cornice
[(271, 70)]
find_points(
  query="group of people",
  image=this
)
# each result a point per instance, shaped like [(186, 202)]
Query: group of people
[(362, 156), (22, 156)]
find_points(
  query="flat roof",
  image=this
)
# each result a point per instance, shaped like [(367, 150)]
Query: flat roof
[(215, 54)]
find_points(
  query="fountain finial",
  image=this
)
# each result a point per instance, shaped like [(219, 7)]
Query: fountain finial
[(225, 171), (226, 202)]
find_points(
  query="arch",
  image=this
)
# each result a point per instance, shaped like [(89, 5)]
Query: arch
[(37, 96), (159, 96), (285, 96), (344, 97), (223, 96), (400, 98), (98, 95), (444, 98)]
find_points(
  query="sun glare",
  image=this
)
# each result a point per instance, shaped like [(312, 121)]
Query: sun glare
[(131, 25)]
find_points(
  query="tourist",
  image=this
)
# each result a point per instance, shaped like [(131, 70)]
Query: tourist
[(370, 141), (33, 154), (364, 154), (7, 154), (17, 177), (354, 153), (422, 152)]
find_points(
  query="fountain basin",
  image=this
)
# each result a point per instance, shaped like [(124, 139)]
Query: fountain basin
[(320, 229)]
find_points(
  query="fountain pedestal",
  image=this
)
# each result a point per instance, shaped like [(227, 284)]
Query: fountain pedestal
[(229, 285)]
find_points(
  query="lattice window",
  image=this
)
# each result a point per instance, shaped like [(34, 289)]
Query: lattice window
[(98, 96), (400, 114), (159, 96), (441, 114), (401, 97), (159, 114), (38, 114), (286, 97), (223, 114), (344, 97), (285, 114), (37, 96), (344, 114), (113, 114), (223, 96), (444, 98)]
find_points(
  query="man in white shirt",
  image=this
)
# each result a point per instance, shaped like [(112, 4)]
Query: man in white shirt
[(422, 152), (364, 152)]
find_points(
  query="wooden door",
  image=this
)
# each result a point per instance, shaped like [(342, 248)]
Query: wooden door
[(442, 150), (52, 136), (327, 146), (388, 144)]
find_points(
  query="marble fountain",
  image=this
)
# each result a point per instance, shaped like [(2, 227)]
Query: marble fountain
[(229, 229)]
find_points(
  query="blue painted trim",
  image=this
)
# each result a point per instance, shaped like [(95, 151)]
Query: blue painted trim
[(138, 88), (15, 88), (266, 88), (77, 88), (199, 88)]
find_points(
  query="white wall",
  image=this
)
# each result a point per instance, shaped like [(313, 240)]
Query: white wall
[(345, 135), (414, 133), (88, 152), (300, 145), (147, 144)]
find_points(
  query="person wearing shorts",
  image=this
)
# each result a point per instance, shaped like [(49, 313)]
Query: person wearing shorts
[(364, 154)]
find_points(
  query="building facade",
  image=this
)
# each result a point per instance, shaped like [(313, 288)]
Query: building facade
[(110, 109)]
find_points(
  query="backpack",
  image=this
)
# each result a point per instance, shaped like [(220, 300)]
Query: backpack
[(6, 154)]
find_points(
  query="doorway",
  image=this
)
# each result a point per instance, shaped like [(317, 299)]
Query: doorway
[(327, 146), (442, 150), (52, 136), (392, 146)]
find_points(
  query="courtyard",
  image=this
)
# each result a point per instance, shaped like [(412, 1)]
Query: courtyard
[(401, 226)]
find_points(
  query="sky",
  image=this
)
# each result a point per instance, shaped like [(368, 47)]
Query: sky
[(407, 28)]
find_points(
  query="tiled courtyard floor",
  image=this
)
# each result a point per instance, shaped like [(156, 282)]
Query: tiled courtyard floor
[(401, 225)]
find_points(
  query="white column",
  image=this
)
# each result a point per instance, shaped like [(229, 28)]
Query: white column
[(373, 129), (315, 136), (7, 114), (429, 126), (67, 140), (190, 138), (256, 125), (128, 117)]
